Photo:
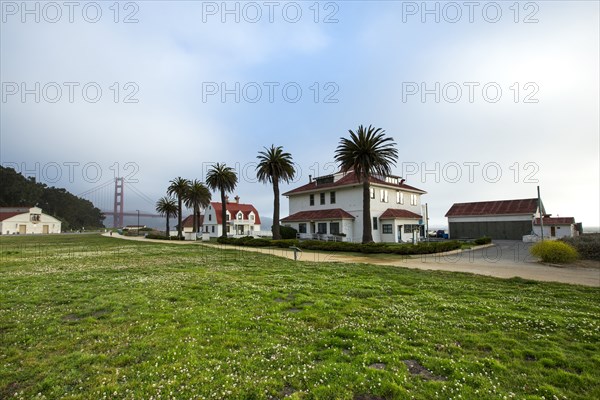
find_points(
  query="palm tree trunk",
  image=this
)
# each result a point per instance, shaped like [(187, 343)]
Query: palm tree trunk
[(167, 233), (179, 217), (223, 213), (195, 218), (276, 232), (367, 236)]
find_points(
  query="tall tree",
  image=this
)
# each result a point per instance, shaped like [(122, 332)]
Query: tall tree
[(223, 178), (179, 188), (197, 196), (167, 207), (367, 152), (274, 166)]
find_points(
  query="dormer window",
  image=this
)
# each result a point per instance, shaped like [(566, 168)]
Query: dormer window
[(240, 216), (252, 217), (35, 217)]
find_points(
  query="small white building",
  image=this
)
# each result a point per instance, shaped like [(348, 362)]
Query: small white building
[(242, 219), (555, 227), (331, 208), (27, 220)]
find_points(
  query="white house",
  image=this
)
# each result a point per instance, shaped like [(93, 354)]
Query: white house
[(26, 220), (556, 227), (331, 207), (242, 219), (188, 224)]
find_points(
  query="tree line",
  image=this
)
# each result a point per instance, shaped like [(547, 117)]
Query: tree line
[(367, 152), (74, 212)]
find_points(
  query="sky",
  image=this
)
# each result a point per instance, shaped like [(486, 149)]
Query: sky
[(485, 100)]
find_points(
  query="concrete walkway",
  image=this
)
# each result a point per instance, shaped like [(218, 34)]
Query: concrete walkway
[(487, 261)]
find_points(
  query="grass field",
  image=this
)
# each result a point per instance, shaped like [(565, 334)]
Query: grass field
[(88, 317)]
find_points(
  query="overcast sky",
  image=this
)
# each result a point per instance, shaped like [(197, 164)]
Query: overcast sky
[(485, 100)]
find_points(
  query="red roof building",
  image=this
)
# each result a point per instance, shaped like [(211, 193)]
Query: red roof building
[(242, 219)]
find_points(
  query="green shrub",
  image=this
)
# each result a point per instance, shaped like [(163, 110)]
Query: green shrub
[(156, 236), (284, 243), (554, 252), (587, 245), (287, 232), (483, 240)]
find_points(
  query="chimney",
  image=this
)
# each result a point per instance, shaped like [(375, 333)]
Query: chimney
[(309, 178), (237, 199)]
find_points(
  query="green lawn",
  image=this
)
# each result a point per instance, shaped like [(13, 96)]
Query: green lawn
[(88, 317)]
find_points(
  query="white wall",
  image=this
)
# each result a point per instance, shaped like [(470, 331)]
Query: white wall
[(349, 199), (560, 231), (12, 225)]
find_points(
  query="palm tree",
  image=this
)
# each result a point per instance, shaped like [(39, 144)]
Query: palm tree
[(178, 187), (368, 152), (166, 206), (223, 178), (197, 196), (274, 166)]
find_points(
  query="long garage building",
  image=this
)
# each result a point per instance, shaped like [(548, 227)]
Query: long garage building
[(501, 219)]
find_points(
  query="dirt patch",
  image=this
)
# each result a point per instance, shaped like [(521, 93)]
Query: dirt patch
[(530, 357), (285, 392), (416, 369), (377, 366), (294, 310), (367, 397)]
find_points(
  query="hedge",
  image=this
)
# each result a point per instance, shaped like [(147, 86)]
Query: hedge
[(587, 245), (369, 248)]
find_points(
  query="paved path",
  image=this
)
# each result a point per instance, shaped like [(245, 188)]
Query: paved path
[(505, 259)]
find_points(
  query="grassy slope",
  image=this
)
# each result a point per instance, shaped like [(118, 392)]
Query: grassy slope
[(91, 317)]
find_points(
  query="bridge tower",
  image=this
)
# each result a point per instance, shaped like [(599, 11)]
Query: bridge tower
[(119, 203)]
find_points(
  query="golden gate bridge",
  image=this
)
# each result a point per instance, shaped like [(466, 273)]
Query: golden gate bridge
[(109, 197)]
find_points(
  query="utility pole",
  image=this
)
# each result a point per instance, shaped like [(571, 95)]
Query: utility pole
[(540, 211)]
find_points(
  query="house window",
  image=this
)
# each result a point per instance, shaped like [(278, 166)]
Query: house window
[(227, 217), (210, 217), (322, 228), (251, 228), (399, 197), (413, 199), (322, 198), (334, 228), (228, 228), (332, 197), (312, 199), (372, 190), (252, 217), (384, 196), (240, 216), (411, 228), (213, 229), (35, 217), (302, 228), (207, 229), (375, 223), (386, 228)]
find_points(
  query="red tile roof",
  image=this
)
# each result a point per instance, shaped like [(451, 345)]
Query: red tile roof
[(500, 207), (555, 221), (188, 222), (334, 213), (234, 208), (6, 215), (350, 179), (392, 213)]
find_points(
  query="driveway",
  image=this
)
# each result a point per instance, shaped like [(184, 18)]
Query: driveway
[(503, 259)]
